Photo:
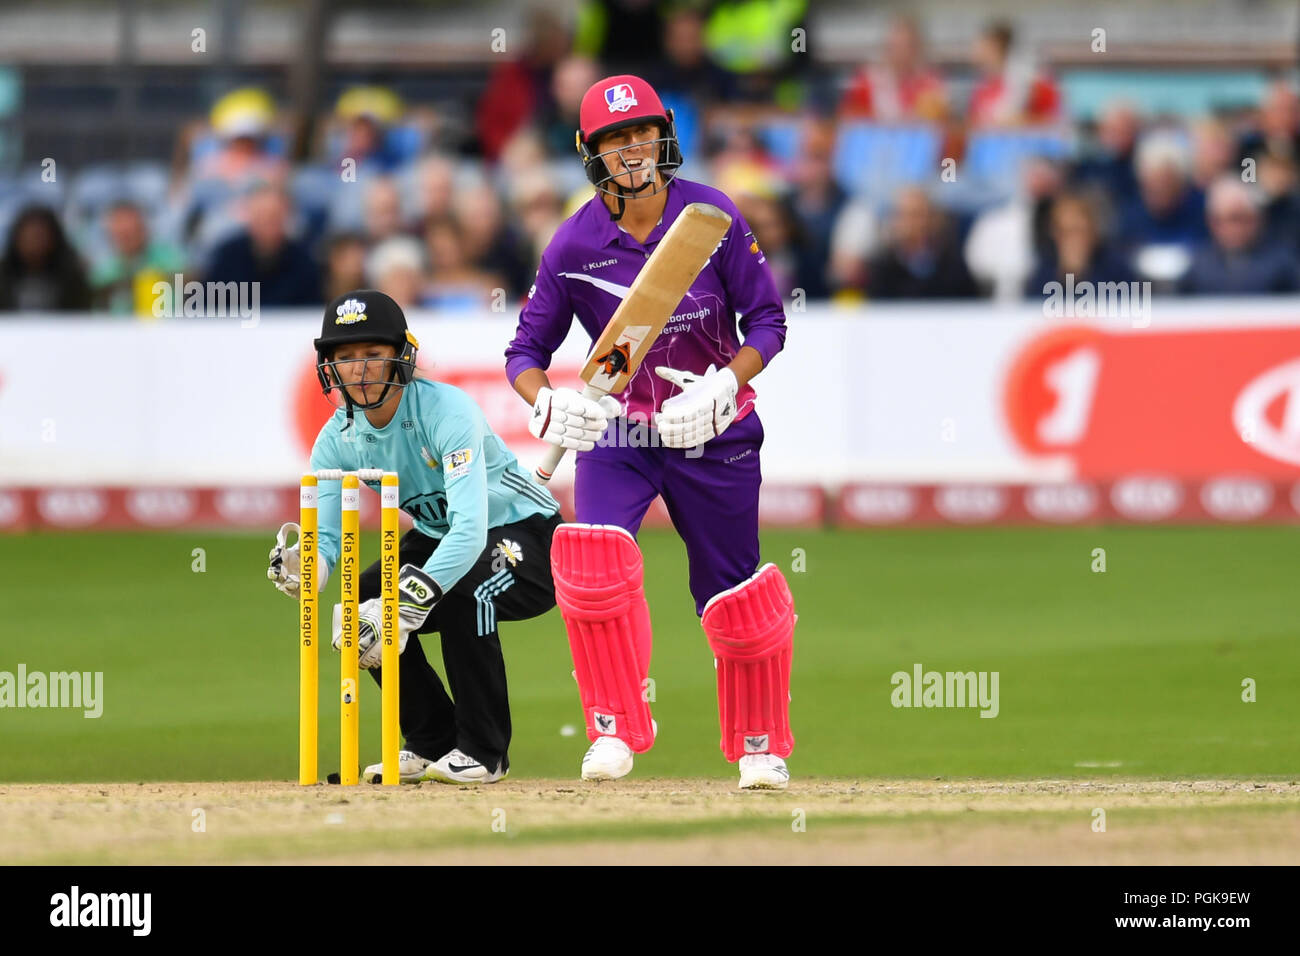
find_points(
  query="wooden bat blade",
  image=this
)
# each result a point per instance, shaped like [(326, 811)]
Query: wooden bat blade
[(656, 292)]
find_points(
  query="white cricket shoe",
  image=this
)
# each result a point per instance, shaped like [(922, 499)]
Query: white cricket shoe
[(763, 772), (459, 767), (608, 758), (410, 766)]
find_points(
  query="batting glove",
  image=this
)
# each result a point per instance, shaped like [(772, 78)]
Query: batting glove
[(564, 417), (703, 408)]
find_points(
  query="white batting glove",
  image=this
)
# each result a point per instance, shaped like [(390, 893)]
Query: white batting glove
[(702, 410), (417, 593), (283, 571), (564, 417)]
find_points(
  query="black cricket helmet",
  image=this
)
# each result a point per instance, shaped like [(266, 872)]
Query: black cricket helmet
[(365, 315)]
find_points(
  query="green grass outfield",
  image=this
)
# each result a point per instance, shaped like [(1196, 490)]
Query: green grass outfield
[(1133, 672)]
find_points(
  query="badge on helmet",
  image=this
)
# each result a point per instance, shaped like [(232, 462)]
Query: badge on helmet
[(365, 315), (618, 102)]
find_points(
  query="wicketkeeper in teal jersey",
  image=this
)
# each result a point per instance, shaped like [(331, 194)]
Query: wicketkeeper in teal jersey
[(479, 552)]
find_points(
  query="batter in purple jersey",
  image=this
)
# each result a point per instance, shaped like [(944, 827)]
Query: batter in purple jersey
[(693, 397)]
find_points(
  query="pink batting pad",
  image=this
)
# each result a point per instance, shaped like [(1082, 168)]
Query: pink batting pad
[(751, 630), (598, 586)]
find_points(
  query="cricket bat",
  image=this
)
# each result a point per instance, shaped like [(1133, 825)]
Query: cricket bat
[(655, 293)]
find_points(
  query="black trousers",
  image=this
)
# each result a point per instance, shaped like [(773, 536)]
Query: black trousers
[(510, 581)]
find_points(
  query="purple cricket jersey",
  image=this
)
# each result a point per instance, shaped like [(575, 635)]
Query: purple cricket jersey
[(711, 492), (588, 268)]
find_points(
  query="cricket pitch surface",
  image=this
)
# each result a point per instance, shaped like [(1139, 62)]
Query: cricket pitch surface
[(656, 821)]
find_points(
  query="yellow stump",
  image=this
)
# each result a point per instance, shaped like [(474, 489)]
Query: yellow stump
[(388, 572), (349, 574), (308, 645)]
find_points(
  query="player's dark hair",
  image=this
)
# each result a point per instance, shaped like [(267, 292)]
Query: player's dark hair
[(1002, 33)]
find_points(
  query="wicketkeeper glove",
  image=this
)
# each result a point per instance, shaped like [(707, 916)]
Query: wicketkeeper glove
[(284, 567), (417, 593), (702, 410)]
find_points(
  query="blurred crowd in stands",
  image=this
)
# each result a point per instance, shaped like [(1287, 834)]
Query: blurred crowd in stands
[(888, 181)]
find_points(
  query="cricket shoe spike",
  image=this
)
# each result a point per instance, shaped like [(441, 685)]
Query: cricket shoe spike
[(410, 767), (459, 767), (763, 772)]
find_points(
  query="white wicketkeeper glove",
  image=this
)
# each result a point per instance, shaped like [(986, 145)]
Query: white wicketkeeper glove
[(702, 410), (283, 571), (564, 417), (417, 593)]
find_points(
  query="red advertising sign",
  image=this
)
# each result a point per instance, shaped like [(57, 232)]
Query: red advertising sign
[(1191, 403)]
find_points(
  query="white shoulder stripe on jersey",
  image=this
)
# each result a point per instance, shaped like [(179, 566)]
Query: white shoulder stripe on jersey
[(613, 288)]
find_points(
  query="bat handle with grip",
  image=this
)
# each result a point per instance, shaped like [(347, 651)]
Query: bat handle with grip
[(543, 473)]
